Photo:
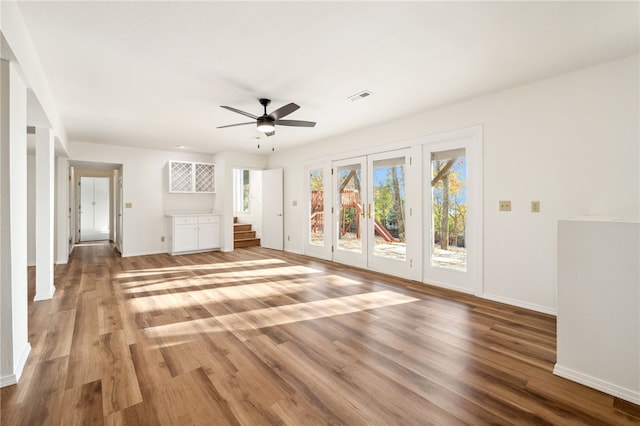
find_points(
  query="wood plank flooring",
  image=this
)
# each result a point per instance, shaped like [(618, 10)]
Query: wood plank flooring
[(259, 337)]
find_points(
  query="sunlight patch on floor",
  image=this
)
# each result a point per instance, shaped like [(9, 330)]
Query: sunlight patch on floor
[(195, 298), (177, 283), (198, 267), (238, 323)]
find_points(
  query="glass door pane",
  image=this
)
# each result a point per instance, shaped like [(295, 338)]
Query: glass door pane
[(350, 213), (389, 239), (449, 209)]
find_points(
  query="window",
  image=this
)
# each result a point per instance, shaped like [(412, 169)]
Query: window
[(241, 191)]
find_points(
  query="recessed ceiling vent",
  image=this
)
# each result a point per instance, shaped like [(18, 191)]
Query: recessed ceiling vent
[(359, 95)]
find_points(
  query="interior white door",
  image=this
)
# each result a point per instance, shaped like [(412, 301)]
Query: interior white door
[(94, 208), (272, 209)]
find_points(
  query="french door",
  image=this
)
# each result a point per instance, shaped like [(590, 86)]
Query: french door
[(374, 225), (350, 220), (318, 235), (94, 208)]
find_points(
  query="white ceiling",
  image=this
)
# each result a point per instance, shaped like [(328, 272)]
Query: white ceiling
[(154, 74)]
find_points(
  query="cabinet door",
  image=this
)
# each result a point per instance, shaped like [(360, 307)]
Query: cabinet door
[(205, 178), (181, 176), (209, 235), (185, 237)]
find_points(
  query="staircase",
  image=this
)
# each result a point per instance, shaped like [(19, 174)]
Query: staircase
[(243, 236)]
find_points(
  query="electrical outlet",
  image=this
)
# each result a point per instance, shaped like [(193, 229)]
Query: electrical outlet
[(162, 239), (535, 206), (288, 237), (505, 206), (128, 205), (294, 203)]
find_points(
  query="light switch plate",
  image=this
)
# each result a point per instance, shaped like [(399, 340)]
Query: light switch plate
[(128, 205), (535, 206)]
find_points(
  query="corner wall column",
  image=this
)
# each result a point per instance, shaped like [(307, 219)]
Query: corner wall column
[(63, 210), (14, 344), (45, 177)]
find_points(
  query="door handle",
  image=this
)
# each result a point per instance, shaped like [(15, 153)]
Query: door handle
[(369, 214)]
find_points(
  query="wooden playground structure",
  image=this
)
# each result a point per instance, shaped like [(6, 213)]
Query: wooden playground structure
[(350, 200)]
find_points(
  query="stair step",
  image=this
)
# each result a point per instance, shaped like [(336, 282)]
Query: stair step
[(242, 235), (246, 242), (241, 227)]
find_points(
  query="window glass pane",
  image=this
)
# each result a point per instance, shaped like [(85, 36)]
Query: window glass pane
[(388, 206), (449, 210), (316, 208), (246, 201)]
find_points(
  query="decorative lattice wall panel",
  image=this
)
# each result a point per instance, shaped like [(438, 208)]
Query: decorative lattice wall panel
[(187, 176)]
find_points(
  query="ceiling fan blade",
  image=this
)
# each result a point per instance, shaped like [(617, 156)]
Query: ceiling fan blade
[(270, 133), (283, 111), (239, 112), (295, 123), (233, 125)]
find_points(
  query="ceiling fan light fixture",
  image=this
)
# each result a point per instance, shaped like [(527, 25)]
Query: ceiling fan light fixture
[(265, 126)]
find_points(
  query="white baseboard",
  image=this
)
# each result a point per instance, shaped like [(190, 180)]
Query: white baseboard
[(520, 304), (22, 361), (12, 379), (8, 380), (595, 383), (46, 296)]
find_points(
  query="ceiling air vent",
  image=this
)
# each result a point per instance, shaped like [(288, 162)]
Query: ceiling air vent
[(359, 95)]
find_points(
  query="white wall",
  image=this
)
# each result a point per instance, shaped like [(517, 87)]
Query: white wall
[(14, 345), (570, 142), (31, 210), (145, 185), (62, 213)]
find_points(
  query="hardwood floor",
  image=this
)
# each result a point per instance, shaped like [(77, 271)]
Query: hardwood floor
[(264, 337)]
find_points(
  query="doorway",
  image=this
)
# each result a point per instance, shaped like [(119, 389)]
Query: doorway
[(102, 184), (94, 207)]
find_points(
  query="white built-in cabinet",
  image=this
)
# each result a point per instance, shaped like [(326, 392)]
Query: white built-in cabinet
[(194, 232), (191, 177)]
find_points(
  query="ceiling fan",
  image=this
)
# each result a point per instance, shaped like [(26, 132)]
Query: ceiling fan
[(266, 123)]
